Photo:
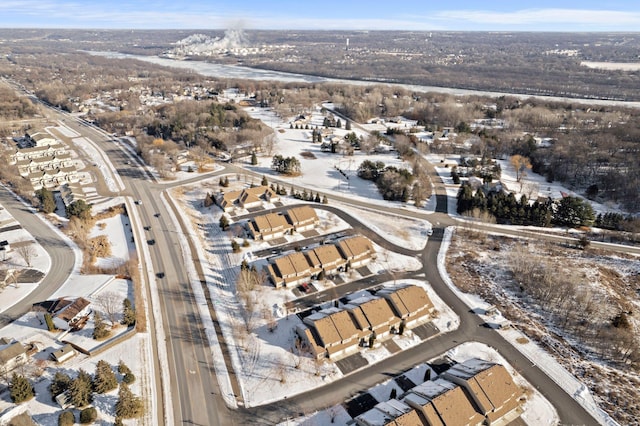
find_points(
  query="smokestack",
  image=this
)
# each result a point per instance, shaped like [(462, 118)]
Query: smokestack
[(347, 46)]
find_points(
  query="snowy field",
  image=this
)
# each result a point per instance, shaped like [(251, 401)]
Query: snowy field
[(118, 230)]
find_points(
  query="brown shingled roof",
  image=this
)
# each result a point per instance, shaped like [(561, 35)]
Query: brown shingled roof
[(302, 215), (68, 313)]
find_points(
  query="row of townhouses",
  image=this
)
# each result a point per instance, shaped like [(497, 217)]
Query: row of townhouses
[(475, 392), (338, 332), (294, 268)]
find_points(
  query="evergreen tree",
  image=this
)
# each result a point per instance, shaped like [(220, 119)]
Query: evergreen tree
[(47, 201), (129, 406), (264, 181), (80, 390), (128, 313), (254, 159), (105, 379), (59, 384), (347, 125), (20, 389), (226, 181), (100, 330), (339, 124), (317, 199), (573, 212), (79, 209)]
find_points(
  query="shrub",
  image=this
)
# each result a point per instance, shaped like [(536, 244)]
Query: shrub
[(129, 378), (123, 368), (66, 418), (88, 415)]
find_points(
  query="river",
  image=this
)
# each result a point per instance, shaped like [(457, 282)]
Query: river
[(211, 69)]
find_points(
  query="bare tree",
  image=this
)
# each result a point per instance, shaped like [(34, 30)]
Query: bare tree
[(27, 253), (111, 304)]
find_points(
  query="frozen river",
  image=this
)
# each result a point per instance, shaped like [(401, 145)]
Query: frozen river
[(211, 69)]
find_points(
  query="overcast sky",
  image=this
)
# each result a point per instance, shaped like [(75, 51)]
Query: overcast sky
[(455, 15)]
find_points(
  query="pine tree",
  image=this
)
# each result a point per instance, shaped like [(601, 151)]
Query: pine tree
[(20, 389), (264, 181), (347, 125), (100, 330), (129, 406), (59, 384), (80, 392), (128, 313), (325, 200), (254, 159), (105, 379)]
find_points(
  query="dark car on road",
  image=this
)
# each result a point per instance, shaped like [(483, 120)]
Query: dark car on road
[(151, 242)]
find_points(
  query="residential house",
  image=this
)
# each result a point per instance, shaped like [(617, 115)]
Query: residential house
[(356, 250), (67, 313), (442, 403), (327, 258), (303, 218), (410, 303), (291, 269), (492, 388), (246, 198), (335, 331), (269, 226), (374, 314), (390, 413), (12, 355)]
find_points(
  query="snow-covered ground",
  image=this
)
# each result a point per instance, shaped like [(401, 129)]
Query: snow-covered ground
[(118, 230), (324, 171)]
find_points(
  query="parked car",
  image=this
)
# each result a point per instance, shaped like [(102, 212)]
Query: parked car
[(305, 287)]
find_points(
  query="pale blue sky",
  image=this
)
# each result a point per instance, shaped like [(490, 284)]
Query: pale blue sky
[(455, 15)]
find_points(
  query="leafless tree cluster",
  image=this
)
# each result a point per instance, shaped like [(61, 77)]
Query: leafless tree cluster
[(591, 315)]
